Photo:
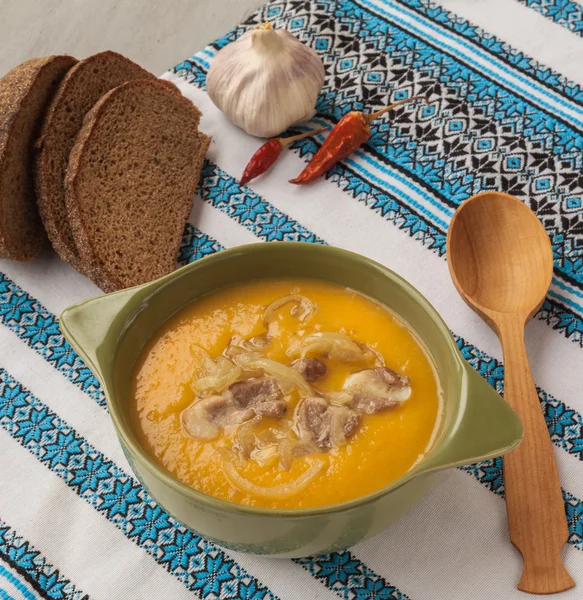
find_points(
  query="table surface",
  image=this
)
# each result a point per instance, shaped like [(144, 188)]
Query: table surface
[(157, 35)]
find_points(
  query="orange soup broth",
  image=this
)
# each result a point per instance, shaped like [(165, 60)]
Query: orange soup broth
[(385, 446)]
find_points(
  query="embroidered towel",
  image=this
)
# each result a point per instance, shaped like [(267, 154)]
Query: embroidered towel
[(506, 112)]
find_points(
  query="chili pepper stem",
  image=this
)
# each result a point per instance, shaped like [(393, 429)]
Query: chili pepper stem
[(374, 115), (294, 138)]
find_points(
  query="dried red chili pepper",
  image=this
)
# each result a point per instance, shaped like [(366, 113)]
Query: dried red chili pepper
[(346, 137), (269, 153)]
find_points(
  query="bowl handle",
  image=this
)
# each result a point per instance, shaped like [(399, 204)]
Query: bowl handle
[(486, 427), (88, 324)]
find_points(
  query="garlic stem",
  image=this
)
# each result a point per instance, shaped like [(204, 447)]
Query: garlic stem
[(294, 138), (264, 39), (374, 115)]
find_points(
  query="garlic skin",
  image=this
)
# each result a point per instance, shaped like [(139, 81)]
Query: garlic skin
[(266, 81)]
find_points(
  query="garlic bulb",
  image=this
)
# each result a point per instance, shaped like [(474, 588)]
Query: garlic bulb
[(266, 81)]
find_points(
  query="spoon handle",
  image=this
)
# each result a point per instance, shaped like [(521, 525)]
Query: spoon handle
[(536, 511)]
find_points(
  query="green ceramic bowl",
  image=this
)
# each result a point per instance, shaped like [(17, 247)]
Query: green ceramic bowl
[(109, 332)]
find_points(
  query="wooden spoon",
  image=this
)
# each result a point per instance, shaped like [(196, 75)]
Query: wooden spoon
[(501, 262)]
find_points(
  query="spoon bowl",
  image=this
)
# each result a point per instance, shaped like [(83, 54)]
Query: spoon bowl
[(501, 262), (500, 255)]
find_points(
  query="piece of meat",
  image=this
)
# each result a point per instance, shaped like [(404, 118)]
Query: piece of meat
[(369, 404), (351, 423), (377, 389), (271, 408), (311, 416), (203, 419), (327, 426), (254, 391), (261, 394), (215, 407), (311, 369), (235, 416)]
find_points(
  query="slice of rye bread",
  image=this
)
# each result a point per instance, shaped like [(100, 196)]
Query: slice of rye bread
[(83, 86), (25, 92), (130, 183)]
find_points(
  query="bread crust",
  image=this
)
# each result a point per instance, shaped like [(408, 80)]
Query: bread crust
[(25, 93)]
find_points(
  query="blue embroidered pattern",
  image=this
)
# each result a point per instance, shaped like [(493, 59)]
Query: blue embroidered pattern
[(470, 116), (34, 567), (349, 578), (514, 58), (43, 335), (490, 474), (15, 582), (565, 424), (195, 245), (249, 209), (566, 13)]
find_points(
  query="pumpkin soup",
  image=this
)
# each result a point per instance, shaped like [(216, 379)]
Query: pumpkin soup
[(286, 393)]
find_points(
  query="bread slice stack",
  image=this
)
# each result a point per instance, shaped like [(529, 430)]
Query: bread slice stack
[(118, 158)]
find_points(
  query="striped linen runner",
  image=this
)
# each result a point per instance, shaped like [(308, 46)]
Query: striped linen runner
[(505, 112)]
